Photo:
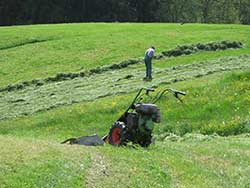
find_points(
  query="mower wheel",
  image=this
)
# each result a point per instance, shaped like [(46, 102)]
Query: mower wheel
[(117, 134)]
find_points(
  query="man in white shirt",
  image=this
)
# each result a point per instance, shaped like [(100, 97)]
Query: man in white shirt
[(148, 62)]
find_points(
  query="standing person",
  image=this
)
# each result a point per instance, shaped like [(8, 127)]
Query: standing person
[(148, 62)]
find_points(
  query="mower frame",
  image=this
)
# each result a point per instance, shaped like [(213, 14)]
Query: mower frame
[(140, 132)]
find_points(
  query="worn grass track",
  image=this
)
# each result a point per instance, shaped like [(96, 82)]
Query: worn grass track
[(35, 98)]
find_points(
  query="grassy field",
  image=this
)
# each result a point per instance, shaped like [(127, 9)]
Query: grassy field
[(203, 142), (39, 51)]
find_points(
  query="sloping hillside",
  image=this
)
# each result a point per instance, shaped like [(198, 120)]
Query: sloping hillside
[(203, 142)]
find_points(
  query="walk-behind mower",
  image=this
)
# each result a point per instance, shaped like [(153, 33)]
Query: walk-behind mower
[(137, 123)]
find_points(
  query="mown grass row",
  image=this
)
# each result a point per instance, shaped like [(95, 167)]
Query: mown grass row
[(214, 104), (81, 47), (178, 51), (33, 99)]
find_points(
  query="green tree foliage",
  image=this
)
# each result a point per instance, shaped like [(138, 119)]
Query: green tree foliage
[(223, 11), (182, 11), (244, 11)]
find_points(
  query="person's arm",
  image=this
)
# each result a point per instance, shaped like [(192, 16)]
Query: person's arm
[(151, 54)]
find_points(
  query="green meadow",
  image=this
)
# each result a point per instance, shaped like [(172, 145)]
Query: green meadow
[(39, 51), (202, 142)]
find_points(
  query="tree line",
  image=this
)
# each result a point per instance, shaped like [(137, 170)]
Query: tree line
[(16, 12)]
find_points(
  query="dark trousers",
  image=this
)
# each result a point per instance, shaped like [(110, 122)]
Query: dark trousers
[(148, 63)]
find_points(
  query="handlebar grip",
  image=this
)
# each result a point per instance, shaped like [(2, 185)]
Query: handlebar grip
[(149, 89), (178, 92), (181, 92)]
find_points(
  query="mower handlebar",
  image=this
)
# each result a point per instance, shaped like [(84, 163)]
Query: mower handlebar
[(173, 91), (156, 98), (148, 88), (177, 92)]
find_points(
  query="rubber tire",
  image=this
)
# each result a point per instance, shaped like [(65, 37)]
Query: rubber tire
[(117, 134)]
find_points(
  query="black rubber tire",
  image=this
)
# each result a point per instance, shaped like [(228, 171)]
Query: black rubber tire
[(117, 133)]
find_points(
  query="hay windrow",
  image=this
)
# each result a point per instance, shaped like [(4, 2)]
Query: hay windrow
[(33, 98), (193, 48), (178, 51)]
